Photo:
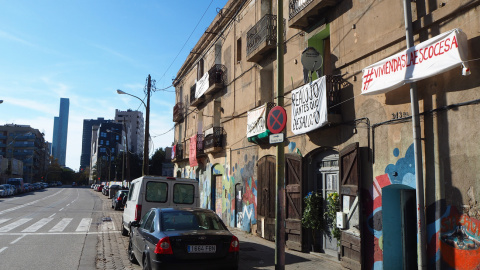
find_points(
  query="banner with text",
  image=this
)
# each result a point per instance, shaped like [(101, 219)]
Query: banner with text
[(192, 157), (429, 58), (201, 86), (256, 123), (309, 107)]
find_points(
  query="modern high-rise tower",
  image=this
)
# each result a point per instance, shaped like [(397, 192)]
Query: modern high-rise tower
[(60, 129), (87, 140)]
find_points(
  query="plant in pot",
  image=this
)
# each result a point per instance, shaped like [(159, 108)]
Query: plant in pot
[(312, 215)]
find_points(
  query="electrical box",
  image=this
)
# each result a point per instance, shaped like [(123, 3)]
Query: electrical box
[(341, 220)]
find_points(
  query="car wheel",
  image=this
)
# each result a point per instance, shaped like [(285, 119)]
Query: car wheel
[(131, 256), (124, 231), (146, 263)]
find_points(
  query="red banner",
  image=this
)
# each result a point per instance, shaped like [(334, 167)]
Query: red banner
[(193, 151)]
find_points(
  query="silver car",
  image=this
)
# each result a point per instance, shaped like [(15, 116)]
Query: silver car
[(3, 191)]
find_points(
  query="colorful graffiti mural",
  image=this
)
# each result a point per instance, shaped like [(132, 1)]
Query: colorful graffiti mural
[(453, 238)]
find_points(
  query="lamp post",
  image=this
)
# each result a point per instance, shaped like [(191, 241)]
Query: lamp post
[(147, 123)]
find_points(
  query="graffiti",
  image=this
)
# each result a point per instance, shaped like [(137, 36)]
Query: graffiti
[(244, 218)]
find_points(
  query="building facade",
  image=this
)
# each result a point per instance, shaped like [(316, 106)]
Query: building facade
[(341, 136), (134, 128), (60, 131), (107, 142), (87, 140), (25, 149)]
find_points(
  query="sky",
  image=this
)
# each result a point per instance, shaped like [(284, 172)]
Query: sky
[(85, 50)]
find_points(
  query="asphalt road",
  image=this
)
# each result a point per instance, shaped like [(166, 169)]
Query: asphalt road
[(53, 228)]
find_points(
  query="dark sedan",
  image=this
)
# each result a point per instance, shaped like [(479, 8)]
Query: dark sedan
[(118, 201), (183, 238)]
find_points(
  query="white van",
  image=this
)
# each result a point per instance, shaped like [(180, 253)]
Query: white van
[(148, 192)]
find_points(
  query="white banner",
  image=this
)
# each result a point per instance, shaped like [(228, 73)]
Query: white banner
[(201, 86), (429, 58), (309, 107), (256, 122)]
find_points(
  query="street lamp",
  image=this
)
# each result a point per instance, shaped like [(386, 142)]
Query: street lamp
[(147, 122)]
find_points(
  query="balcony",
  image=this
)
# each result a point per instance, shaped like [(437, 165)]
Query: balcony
[(305, 13), (217, 76), (334, 85), (262, 38), (195, 101), (200, 145), (178, 111), (178, 155), (214, 140)]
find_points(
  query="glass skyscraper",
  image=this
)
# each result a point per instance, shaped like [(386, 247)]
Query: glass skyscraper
[(60, 129)]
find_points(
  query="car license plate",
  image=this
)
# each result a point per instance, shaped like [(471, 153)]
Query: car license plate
[(202, 249)]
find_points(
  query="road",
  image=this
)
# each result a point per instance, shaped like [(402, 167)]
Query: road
[(53, 228)]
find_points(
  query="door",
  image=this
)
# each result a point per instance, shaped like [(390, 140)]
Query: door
[(218, 194), (266, 197), (293, 203), (351, 243), (238, 205), (409, 229)]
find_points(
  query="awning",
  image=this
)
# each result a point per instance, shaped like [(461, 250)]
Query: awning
[(429, 58)]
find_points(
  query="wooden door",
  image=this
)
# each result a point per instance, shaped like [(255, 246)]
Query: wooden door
[(293, 203), (266, 197), (351, 241)]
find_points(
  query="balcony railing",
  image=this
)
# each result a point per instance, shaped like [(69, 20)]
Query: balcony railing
[(304, 13), (178, 111), (262, 38), (178, 152), (333, 85), (214, 140), (195, 101), (217, 77)]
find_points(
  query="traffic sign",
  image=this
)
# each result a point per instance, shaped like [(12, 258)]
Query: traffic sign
[(277, 119), (276, 138)]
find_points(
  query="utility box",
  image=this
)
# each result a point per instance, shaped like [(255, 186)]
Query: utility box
[(341, 220)]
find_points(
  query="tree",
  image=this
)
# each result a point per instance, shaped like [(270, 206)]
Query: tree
[(156, 162)]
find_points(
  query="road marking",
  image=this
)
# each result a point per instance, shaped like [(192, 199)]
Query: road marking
[(84, 225), (58, 233), (61, 225), (60, 210), (3, 220), (2, 249), (39, 224), (15, 224), (18, 239), (27, 204), (52, 215)]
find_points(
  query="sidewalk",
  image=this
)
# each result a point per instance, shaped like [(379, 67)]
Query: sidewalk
[(258, 253), (255, 252)]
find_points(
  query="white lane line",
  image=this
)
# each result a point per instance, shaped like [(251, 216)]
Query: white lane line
[(58, 233), (18, 239), (15, 224), (84, 225), (61, 225), (27, 204), (60, 210), (39, 224), (3, 220), (52, 215), (67, 205), (2, 249)]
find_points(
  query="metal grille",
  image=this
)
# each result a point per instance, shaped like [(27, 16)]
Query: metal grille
[(178, 112), (192, 93), (179, 151), (215, 139), (217, 75), (296, 6), (200, 145), (264, 30), (333, 84)]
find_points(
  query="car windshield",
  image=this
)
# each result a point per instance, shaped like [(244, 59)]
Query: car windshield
[(190, 220)]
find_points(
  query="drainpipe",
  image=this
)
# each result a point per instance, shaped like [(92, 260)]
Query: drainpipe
[(417, 145)]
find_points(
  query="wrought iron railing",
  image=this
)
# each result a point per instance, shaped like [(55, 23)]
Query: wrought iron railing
[(178, 151), (296, 6), (192, 93), (214, 139), (217, 75), (264, 30), (333, 85), (178, 111)]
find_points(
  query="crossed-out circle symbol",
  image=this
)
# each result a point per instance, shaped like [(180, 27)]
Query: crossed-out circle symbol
[(277, 119)]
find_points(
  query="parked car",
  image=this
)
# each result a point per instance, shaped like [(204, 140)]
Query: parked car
[(3, 191), (157, 191), (99, 188), (180, 237), (9, 189), (18, 183), (105, 190), (118, 200)]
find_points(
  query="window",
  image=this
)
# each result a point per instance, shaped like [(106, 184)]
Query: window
[(117, 137), (197, 220), (132, 190), (200, 69), (143, 220), (101, 142), (156, 192), (107, 142), (149, 222), (103, 134), (183, 193), (239, 50)]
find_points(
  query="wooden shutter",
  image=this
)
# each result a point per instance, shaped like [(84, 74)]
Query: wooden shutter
[(351, 241), (266, 196), (294, 210)]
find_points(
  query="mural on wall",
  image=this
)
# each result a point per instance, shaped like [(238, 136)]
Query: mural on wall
[(403, 173), (453, 239)]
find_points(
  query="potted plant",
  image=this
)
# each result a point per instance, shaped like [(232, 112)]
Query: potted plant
[(312, 216)]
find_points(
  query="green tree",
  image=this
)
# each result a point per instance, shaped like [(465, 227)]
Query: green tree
[(156, 162)]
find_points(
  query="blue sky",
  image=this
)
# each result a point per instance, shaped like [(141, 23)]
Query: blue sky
[(85, 50)]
